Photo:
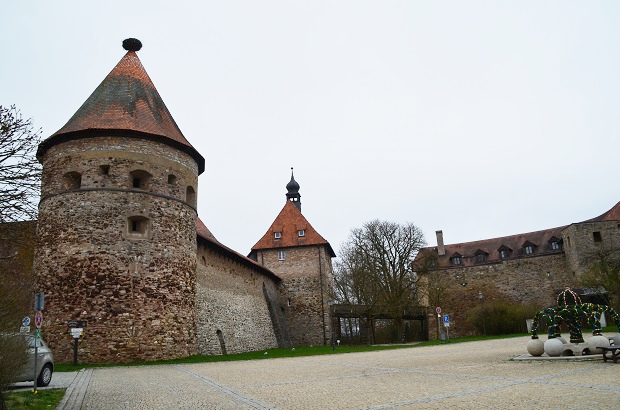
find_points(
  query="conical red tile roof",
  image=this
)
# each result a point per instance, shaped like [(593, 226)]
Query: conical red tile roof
[(288, 222), (125, 103)]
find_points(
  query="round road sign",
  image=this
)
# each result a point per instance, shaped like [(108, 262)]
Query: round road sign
[(26, 321), (438, 310)]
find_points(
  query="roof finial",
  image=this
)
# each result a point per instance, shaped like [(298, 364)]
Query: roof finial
[(132, 44)]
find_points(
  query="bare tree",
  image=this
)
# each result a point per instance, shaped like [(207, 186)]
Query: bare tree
[(20, 175), (603, 272), (375, 268), (20, 172)]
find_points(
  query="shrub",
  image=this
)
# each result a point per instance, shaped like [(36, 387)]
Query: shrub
[(500, 318)]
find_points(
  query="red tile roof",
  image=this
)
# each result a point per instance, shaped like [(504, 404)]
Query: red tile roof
[(206, 238), (289, 222), (125, 101), (612, 215), (491, 247)]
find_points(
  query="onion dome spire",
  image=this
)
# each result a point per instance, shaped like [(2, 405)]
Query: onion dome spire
[(293, 192)]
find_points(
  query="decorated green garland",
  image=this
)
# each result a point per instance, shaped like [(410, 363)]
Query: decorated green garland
[(571, 311)]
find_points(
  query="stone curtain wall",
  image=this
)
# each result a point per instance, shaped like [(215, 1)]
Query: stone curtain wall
[(135, 290), (232, 312), (530, 280), (307, 280)]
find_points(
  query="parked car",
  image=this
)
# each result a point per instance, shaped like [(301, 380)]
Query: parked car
[(45, 361)]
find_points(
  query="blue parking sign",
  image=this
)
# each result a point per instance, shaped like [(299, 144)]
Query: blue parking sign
[(446, 318)]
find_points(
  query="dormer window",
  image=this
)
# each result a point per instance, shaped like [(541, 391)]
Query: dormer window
[(504, 252), (456, 259), (528, 248), (481, 256), (301, 232), (277, 235), (555, 244)]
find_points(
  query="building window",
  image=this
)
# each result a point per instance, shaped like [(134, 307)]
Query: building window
[(140, 179), (137, 225), (281, 255), (529, 249), (555, 245), (503, 254), (277, 235), (72, 180), (597, 237), (172, 179), (301, 232), (190, 196), (480, 257), (104, 169), (456, 260)]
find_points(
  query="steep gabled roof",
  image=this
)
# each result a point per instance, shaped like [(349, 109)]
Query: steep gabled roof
[(126, 103), (612, 215), (206, 238), (289, 222)]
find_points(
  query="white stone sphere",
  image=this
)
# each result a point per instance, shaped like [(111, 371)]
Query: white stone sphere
[(554, 347), (536, 347), (616, 339), (561, 339), (597, 341)]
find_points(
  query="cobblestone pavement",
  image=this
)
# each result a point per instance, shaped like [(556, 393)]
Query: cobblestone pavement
[(470, 375)]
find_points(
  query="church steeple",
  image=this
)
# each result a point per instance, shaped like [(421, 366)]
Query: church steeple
[(293, 192)]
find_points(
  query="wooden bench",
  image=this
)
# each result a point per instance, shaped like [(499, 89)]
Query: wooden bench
[(615, 353)]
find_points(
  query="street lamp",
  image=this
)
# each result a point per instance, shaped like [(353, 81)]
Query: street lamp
[(481, 298), (330, 302)]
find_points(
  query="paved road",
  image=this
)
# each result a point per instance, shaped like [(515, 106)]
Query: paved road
[(471, 375)]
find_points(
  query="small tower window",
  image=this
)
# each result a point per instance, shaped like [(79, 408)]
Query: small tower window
[(137, 225), (172, 179), (596, 236), (277, 235), (72, 180), (140, 179), (281, 255), (301, 232), (104, 169), (190, 196)]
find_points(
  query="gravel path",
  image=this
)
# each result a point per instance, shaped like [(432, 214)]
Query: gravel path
[(471, 375)]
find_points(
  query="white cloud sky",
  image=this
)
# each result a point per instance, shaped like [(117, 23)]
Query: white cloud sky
[(480, 118)]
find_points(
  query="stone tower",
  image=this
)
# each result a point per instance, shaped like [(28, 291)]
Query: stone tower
[(117, 225), (295, 251)]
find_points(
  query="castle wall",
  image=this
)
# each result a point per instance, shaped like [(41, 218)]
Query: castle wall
[(531, 280), (232, 310), (582, 241), (307, 277), (119, 256)]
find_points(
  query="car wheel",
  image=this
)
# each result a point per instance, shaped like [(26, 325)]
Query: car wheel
[(45, 377)]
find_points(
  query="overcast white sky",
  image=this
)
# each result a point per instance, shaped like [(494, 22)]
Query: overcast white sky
[(481, 118)]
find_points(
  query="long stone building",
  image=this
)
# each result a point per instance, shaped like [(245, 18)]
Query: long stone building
[(120, 246), (529, 268)]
